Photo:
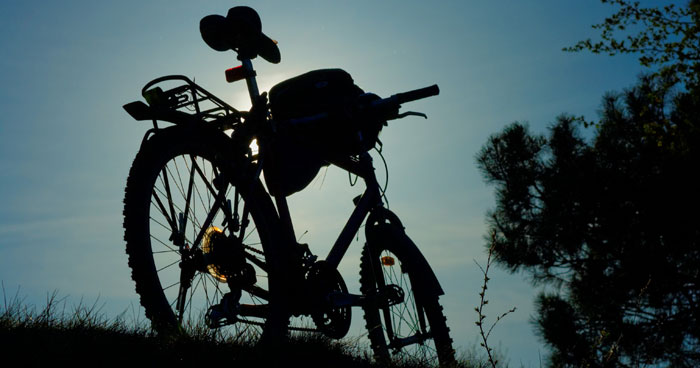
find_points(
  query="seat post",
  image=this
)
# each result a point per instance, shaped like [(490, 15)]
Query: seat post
[(281, 201), (250, 80)]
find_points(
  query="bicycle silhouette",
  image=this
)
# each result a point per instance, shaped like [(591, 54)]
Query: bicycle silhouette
[(207, 240)]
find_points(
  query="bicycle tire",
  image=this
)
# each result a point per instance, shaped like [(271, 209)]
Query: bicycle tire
[(149, 220), (388, 326)]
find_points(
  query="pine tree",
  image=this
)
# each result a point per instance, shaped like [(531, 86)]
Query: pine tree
[(611, 224)]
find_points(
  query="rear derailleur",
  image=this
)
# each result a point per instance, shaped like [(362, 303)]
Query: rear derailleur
[(225, 261), (229, 308)]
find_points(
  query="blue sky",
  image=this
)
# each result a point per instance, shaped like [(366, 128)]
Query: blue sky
[(66, 145)]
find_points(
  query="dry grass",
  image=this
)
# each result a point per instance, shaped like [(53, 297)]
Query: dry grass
[(81, 335)]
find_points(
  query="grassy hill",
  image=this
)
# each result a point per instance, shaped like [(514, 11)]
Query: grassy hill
[(82, 337)]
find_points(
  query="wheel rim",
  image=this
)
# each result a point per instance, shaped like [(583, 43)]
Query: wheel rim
[(405, 325), (186, 204)]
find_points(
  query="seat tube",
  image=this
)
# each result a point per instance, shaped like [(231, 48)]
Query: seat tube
[(285, 218)]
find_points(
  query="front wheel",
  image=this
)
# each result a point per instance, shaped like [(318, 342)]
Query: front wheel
[(403, 319)]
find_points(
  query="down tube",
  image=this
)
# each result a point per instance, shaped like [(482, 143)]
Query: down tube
[(367, 202)]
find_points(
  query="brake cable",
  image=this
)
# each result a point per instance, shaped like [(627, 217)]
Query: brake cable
[(386, 173)]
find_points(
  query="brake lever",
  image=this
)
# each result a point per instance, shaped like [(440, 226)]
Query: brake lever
[(411, 113)]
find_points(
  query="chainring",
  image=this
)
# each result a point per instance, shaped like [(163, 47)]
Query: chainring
[(323, 281)]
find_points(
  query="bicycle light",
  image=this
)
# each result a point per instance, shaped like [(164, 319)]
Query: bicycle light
[(238, 73)]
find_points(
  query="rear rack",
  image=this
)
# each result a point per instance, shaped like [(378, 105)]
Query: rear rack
[(191, 99)]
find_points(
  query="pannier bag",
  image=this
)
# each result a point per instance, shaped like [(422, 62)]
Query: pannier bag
[(298, 151)]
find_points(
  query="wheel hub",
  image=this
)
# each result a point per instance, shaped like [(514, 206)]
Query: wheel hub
[(225, 259)]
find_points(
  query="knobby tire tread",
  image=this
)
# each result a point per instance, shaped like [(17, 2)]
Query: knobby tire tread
[(153, 155), (373, 320)]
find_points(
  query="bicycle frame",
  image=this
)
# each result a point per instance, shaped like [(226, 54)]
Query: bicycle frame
[(361, 167), (369, 200)]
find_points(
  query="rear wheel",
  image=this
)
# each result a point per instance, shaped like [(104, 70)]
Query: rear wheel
[(198, 234), (404, 322)]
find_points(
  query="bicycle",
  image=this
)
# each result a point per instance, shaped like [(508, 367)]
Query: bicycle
[(206, 240)]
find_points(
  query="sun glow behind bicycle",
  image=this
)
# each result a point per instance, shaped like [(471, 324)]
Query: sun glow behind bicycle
[(207, 248), (254, 148)]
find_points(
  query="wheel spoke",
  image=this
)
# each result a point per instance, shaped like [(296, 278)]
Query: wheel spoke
[(411, 330), (204, 179), (170, 286), (207, 223), (186, 196), (200, 277), (160, 223), (187, 201), (171, 221), (192, 169), (169, 196), (168, 266), (181, 186), (170, 249), (179, 209)]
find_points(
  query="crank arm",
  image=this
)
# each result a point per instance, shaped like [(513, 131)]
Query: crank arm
[(338, 299), (384, 297)]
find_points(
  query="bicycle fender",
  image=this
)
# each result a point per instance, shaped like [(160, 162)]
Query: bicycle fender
[(203, 132), (384, 227), (175, 130)]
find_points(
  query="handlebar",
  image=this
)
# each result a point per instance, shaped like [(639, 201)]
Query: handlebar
[(387, 108), (417, 94)]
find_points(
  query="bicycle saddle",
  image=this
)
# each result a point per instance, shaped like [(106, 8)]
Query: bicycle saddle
[(240, 31)]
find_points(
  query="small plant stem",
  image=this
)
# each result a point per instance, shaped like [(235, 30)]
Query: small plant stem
[(482, 304)]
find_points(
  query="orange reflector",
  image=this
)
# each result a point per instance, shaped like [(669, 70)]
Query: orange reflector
[(388, 261)]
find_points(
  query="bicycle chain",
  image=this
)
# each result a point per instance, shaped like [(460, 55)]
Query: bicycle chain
[(254, 250), (262, 324)]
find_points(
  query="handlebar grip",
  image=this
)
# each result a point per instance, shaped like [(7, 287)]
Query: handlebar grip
[(417, 94)]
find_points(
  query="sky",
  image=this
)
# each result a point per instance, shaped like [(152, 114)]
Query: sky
[(66, 145)]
